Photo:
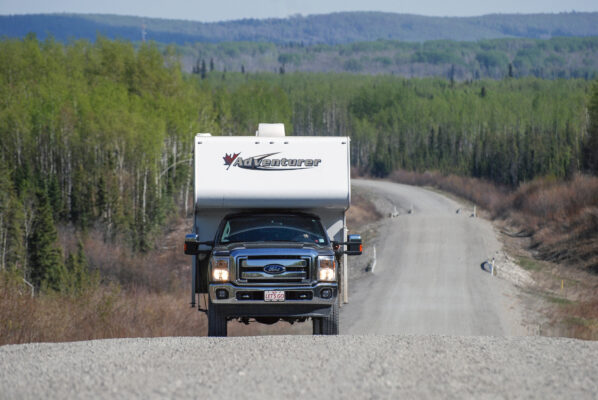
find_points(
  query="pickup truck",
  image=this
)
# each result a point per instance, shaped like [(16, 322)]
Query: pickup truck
[(270, 241)]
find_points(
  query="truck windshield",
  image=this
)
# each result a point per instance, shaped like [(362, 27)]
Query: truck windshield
[(273, 228)]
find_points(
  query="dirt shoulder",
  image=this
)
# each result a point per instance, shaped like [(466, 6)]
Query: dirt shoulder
[(564, 297)]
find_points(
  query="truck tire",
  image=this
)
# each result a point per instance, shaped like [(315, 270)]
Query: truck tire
[(327, 325), (217, 323), (317, 326)]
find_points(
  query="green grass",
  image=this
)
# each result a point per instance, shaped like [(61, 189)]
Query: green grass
[(579, 321), (558, 300), (529, 264)]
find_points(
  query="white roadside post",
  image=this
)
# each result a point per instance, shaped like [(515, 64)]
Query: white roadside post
[(374, 262)]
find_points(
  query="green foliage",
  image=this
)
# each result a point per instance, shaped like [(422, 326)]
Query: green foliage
[(45, 256), (352, 65), (78, 277), (492, 59), (100, 135), (289, 58), (547, 58), (435, 57), (12, 246), (591, 142)]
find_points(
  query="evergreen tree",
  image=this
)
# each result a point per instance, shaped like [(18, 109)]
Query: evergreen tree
[(45, 256), (202, 70), (591, 143), (79, 277)]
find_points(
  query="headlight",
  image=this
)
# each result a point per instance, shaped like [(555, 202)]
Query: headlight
[(327, 268), (220, 269)]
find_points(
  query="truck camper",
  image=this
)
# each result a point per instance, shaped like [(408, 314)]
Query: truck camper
[(269, 238)]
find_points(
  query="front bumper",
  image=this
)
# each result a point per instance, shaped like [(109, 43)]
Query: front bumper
[(312, 305)]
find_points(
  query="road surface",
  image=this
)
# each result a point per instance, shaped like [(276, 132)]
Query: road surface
[(306, 367), (428, 277)]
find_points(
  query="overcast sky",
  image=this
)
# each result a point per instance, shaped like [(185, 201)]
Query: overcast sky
[(218, 10)]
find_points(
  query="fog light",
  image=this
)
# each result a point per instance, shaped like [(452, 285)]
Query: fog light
[(327, 274), (326, 293), (220, 274), (221, 294)]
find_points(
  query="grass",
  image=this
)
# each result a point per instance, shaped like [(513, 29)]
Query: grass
[(529, 264), (580, 322), (558, 300), (580, 327)]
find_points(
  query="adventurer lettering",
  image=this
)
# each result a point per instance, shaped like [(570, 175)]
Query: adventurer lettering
[(264, 162)]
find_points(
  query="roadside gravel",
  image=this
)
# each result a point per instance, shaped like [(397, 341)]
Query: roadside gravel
[(299, 366)]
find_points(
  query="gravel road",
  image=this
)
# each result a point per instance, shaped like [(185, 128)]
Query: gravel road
[(428, 277), (428, 322), (344, 367)]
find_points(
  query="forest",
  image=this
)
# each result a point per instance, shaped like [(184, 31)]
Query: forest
[(98, 136), (558, 57), (334, 28)]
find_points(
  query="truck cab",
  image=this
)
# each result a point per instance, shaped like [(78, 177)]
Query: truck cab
[(270, 242)]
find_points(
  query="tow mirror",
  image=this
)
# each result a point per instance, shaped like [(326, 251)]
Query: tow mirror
[(354, 245), (192, 244)]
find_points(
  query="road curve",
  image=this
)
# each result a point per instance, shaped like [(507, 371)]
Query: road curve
[(428, 277)]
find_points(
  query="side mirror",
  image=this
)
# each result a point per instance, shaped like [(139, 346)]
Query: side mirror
[(192, 244), (354, 245)]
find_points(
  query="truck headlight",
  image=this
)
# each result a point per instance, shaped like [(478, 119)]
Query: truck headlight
[(327, 268), (220, 269)]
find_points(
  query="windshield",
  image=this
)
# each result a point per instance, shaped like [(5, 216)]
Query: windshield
[(273, 228)]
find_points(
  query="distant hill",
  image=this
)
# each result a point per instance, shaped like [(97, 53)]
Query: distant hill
[(561, 57), (336, 28)]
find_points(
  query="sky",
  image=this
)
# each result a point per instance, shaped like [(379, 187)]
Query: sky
[(220, 10)]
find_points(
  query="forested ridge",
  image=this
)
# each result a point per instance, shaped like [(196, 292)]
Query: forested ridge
[(98, 136), (559, 57), (334, 28)]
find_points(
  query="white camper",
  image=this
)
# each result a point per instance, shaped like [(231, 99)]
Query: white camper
[(281, 185)]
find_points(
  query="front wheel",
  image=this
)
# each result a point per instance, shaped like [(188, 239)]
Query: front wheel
[(217, 323), (327, 325), (317, 325)]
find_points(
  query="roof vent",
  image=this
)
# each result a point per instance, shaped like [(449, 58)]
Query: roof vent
[(270, 130)]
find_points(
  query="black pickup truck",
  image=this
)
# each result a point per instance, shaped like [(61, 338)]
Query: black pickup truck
[(271, 266)]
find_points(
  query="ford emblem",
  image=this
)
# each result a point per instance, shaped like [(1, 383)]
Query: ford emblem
[(274, 269)]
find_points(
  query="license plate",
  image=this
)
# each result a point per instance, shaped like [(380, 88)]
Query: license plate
[(273, 295)]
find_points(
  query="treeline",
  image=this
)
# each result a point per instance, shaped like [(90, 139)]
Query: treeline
[(99, 136), (93, 136), (556, 58), (341, 27)]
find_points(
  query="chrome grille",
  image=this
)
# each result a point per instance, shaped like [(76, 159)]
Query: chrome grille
[(275, 269)]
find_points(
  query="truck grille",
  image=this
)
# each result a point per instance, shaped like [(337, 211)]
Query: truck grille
[(275, 269)]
